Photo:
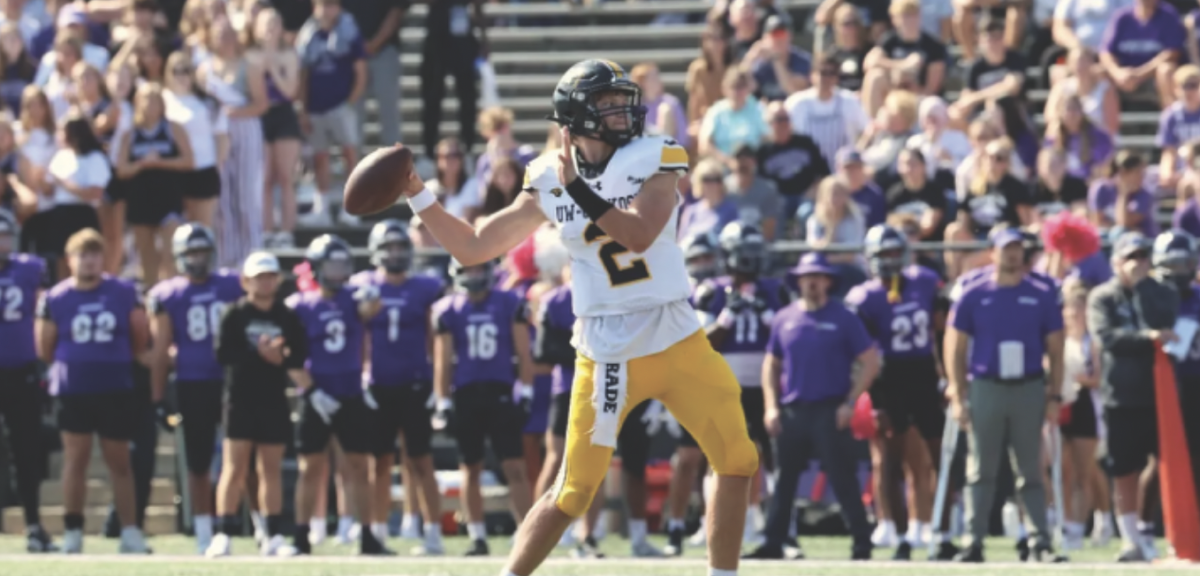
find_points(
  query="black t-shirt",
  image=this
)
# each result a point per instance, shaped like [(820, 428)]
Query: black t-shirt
[(997, 204), (901, 199), (931, 50), (794, 165), (982, 74), (1047, 203), (850, 67), (370, 14), (248, 375)]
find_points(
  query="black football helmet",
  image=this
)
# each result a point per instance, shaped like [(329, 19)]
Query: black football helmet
[(887, 250), (1175, 257), (10, 232), (702, 255), (390, 246), (194, 248), (575, 102), (745, 249), (331, 262), (472, 279)]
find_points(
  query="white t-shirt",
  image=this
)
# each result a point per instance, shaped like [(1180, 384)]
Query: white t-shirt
[(87, 171), (38, 145), (200, 123), (953, 142)]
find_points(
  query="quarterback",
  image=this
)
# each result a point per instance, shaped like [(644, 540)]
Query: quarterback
[(611, 193)]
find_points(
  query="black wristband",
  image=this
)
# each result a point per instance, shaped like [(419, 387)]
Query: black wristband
[(591, 204)]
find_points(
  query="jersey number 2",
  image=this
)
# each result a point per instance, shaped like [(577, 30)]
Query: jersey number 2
[(609, 250)]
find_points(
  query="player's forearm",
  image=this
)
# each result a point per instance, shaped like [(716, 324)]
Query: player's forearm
[(770, 382), (868, 369), (956, 362)]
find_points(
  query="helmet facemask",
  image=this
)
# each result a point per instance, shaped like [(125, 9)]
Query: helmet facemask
[(591, 120), (747, 259), (474, 279), (394, 257), (888, 262), (333, 272), (196, 263)]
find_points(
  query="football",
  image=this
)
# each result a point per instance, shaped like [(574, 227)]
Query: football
[(378, 180)]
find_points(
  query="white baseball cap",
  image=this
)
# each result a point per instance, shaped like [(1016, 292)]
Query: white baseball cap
[(260, 263)]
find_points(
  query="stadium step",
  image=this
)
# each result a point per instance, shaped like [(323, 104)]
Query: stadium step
[(159, 520), (162, 492)]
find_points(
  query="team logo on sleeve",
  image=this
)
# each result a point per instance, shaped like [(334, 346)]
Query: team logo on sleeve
[(556, 192)]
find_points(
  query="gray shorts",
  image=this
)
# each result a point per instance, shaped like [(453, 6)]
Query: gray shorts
[(337, 127)]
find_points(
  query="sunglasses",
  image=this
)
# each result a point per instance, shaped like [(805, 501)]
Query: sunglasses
[(999, 157), (779, 120), (1191, 85)]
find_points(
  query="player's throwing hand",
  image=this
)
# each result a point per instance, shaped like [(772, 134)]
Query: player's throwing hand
[(566, 158)]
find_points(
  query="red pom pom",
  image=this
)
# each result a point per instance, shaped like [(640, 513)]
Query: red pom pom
[(1071, 235), (862, 424), (520, 260), (304, 278)]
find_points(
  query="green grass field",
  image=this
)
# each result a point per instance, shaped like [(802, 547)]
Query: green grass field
[(175, 556)]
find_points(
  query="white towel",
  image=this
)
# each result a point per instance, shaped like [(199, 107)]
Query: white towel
[(610, 386)]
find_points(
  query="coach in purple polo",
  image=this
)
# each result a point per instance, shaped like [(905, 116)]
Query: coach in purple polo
[(809, 390), (1005, 325)]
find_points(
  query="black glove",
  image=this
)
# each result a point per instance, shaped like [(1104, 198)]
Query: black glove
[(168, 418)]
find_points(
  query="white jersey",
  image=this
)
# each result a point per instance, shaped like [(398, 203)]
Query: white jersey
[(628, 304)]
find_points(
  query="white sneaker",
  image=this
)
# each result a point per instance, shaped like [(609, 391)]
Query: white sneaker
[(347, 219), (1102, 534), (317, 533), (277, 547), (410, 531), (72, 542), (883, 537), (347, 534), (646, 550), (314, 219), (133, 542), (220, 546)]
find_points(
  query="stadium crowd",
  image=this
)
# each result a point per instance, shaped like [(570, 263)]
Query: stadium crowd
[(183, 129)]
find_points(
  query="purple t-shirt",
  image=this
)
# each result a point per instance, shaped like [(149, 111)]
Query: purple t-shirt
[(818, 350), (699, 218), (482, 334), (681, 123), (195, 311), (335, 340), (1187, 217), (93, 352), (331, 79), (1133, 42), (873, 204), (1100, 153), (904, 328), (1007, 322), (1177, 126), (749, 333), (19, 282), (400, 331), (557, 313), (1102, 198)]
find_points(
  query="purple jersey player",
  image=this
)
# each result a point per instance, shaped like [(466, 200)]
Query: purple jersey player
[(400, 377), (187, 312), (482, 344), (90, 328), (334, 403)]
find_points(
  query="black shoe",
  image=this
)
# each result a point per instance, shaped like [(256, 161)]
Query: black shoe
[(972, 555), (674, 545), (300, 541), (1023, 549), (903, 551), (946, 551), (37, 541), (765, 552), (478, 548), (861, 551), (1044, 553)]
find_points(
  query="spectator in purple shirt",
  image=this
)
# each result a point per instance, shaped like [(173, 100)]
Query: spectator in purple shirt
[(1001, 328), (664, 113), (810, 388), (1087, 147), (1122, 202), (1178, 123), (713, 208), (333, 76), (1143, 42)]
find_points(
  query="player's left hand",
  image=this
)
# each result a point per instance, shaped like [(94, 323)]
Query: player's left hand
[(844, 413), (566, 158), (523, 396)]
